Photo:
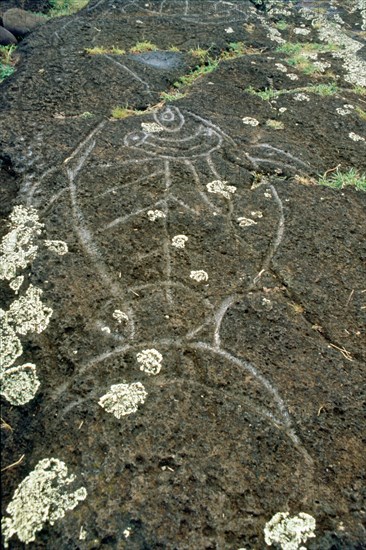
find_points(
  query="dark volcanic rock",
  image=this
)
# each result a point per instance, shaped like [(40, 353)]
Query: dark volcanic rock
[(197, 237), (6, 37), (21, 22)]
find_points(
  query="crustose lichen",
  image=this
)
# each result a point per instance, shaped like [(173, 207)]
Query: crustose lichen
[(289, 532), (41, 497), (18, 248)]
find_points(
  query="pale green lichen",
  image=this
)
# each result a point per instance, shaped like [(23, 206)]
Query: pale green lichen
[(348, 48), (199, 276), (59, 247), (220, 188), (289, 532), (150, 361), (179, 241), (16, 283), (123, 399), (41, 497), (19, 384), (29, 314), (119, 316), (18, 246), (11, 347)]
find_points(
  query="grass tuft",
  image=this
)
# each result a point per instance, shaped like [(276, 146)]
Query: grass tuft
[(281, 25), (299, 54), (361, 113), (340, 180), (60, 8), (238, 49), (142, 47), (123, 112), (100, 50), (200, 53), (323, 89), (173, 95), (7, 61), (188, 80), (267, 94), (359, 90)]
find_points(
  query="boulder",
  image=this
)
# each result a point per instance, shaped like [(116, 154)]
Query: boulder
[(21, 22), (6, 37)]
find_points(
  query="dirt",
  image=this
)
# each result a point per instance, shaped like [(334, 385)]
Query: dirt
[(259, 405)]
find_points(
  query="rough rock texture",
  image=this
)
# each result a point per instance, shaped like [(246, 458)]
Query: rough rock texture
[(259, 404)]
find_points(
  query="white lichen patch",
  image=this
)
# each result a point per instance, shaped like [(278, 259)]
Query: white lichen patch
[(361, 5), (220, 188), (345, 110), (59, 247), (123, 399), (250, 121), (338, 19), (19, 384), (273, 34), (119, 316), (356, 137), (179, 241), (11, 347), (151, 127), (282, 110), (43, 496), (199, 276), (267, 304), (246, 222), (301, 97), (18, 246), (155, 215), (300, 30), (16, 283), (281, 67), (333, 33), (289, 532), (292, 76), (28, 313), (107, 330), (321, 66), (229, 30), (256, 214), (150, 361)]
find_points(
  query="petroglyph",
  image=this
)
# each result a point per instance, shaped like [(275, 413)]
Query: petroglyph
[(173, 141), (177, 363)]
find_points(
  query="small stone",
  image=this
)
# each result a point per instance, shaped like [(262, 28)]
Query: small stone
[(6, 37), (20, 22)]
